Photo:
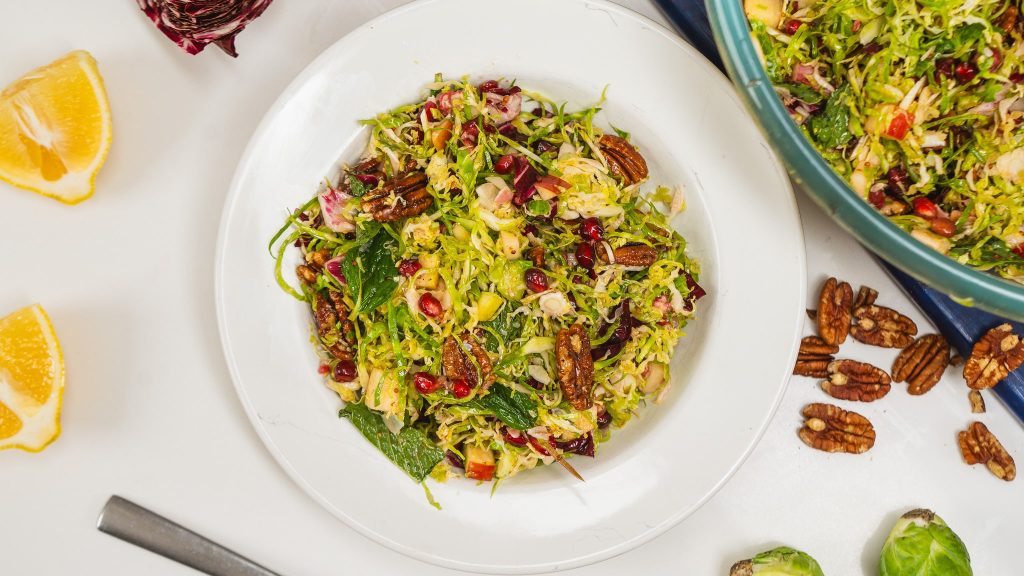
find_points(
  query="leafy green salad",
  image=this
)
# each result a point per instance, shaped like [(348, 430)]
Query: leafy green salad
[(918, 104), (490, 289)]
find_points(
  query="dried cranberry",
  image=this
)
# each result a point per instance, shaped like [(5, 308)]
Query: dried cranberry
[(488, 86), (409, 266), (431, 306), (505, 164), (534, 383), (345, 371), (515, 437), (620, 333), (877, 196), (591, 229), (543, 146), (460, 388), (585, 255), (944, 66), (898, 179), (454, 459), (965, 72), (872, 48), (572, 300), (584, 445), (789, 27), (370, 180), (604, 418), (425, 382), (925, 208), (470, 133), (536, 279), (430, 111), (302, 241)]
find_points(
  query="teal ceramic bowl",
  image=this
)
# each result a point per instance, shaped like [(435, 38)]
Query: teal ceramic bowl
[(811, 173)]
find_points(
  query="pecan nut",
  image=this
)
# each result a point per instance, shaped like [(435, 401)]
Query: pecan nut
[(979, 446), (624, 161), (866, 296), (834, 306), (305, 273), (998, 353), (400, 198), (634, 255), (458, 364), (1007, 21), (977, 402), (814, 357), (832, 429), (327, 311), (881, 326), (575, 365), (922, 364), (858, 381)]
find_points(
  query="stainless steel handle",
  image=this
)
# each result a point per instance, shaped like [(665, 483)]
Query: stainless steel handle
[(136, 525)]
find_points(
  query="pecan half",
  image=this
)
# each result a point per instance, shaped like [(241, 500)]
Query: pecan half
[(305, 273), (977, 401), (979, 446), (457, 363), (832, 429), (881, 326), (998, 353), (834, 311), (536, 255), (402, 197), (1007, 21), (859, 381), (624, 161), (814, 357), (326, 313), (317, 258), (922, 364), (575, 366), (636, 255), (866, 296)]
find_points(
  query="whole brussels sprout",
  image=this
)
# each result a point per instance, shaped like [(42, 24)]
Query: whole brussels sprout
[(921, 544), (781, 561)]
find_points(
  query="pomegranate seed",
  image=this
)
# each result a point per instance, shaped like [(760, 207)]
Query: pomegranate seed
[(1018, 250), (943, 227), (591, 229), (370, 180), (965, 72), (536, 384), (604, 419), (505, 164), (535, 278), (431, 306), (425, 382), (877, 197), (430, 108), (324, 369), (925, 208), (515, 437), (944, 66), (585, 255), (345, 371), (460, 388), (409, 266), (898, 178), (1017, 78), (488, 86), (791, 26)]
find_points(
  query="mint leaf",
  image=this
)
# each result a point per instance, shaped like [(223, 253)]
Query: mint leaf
[(410, 449), (515, 409), (831, 128)]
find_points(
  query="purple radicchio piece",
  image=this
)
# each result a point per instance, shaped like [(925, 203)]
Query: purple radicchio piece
[(192, 24)]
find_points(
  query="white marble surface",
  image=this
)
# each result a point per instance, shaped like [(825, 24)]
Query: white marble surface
[(151, 414)]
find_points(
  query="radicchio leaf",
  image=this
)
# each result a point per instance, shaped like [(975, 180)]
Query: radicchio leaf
[(192, 24)]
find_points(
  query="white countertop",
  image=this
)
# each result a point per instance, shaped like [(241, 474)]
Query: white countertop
[(150, 412)]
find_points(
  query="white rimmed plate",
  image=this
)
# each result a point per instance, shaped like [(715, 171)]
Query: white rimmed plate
[(728, 373)]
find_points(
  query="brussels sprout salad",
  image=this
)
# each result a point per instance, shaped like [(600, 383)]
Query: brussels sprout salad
[(918, 105), (490, 289)]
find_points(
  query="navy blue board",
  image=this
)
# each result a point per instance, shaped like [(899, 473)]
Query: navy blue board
[(960, 325)]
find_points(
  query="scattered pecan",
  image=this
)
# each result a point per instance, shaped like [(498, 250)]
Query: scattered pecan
[(814, 357), (812, 315), (832, 429), (575, 366), (400, 198), (637, 255), (326, 313), (834, 311), (998, 353), (624, 161), (977, 401), (1007, 21), (859, 381), (457, 363), (866, 296), (979, 446), (317, 258), (305, 273), (956, 359), (922, 364), (881, 326), (536, 255)]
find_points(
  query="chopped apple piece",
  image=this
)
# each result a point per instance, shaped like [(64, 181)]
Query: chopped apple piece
[(479, 463), (767, 11)]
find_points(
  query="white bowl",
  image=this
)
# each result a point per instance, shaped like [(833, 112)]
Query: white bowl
[(728, 373)]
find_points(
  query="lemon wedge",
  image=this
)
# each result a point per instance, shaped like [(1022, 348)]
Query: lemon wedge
[(31, 380)]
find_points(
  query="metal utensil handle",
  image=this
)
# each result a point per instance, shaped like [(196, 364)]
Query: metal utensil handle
[(136, 525)]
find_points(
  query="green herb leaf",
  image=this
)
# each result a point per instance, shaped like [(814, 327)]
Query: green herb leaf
[(370, 270), (356, 187), (505, 325), (802, 92), (832, 127), (410, 449), (515, 409)]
